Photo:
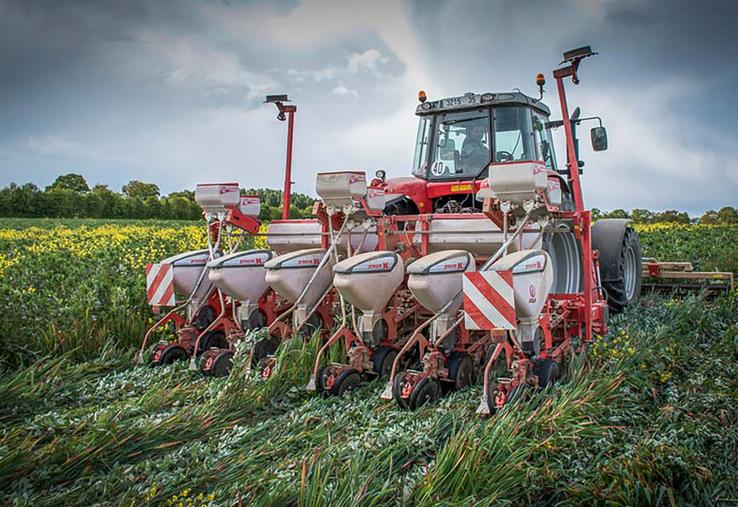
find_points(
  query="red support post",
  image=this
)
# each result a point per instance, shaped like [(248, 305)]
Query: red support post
[(582, 219), (290, 110), (571, 152)]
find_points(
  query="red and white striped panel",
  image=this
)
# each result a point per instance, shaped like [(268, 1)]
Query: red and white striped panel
[(489, 300), (160, 284)]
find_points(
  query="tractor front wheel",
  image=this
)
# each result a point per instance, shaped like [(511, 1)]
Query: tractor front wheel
[(620, 262)]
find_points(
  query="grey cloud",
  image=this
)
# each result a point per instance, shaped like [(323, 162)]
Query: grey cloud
[(172, 90)]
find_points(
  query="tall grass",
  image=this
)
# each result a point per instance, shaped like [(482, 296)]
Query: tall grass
[(650, 417)]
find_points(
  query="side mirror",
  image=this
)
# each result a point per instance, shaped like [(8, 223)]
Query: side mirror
[(599, 138)]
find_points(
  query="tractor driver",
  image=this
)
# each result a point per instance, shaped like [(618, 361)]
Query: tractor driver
[(474, 151)]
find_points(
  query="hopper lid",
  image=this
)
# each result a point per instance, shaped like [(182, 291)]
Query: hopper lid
[(447, 261)]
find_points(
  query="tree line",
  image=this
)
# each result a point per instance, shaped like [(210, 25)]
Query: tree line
[(70, 196), (726, 215)]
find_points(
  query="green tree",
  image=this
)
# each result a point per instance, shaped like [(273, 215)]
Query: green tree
[(140, 190), (671, 216), (70, 181), (26, 201), (617, 213), (727, 215), (641, 216), (63, 203), (709, 217)]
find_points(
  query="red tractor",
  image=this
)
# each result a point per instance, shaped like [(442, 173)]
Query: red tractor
[(487, 183)]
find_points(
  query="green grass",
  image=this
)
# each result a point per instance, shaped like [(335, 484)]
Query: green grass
[(652, 417)]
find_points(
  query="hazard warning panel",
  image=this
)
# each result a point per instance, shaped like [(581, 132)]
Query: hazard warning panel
[(160, 284), (489, 300)]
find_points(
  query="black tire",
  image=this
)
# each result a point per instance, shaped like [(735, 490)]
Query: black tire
[(212, 339), (171, 353), (314, 323), (222, 364), (492, 388), (461, 370), (427, 390), (204, 317), (547, 371), (152, 354), (382, 361), (620, 262), (323, 374), (256, 320), (348, 380), (264, 347), (397, 390)]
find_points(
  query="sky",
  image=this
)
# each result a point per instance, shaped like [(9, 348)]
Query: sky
[(171, 91)]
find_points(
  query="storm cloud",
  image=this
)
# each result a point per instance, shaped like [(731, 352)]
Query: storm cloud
[(172, 91)]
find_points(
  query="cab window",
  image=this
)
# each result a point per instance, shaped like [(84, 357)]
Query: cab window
[(420, 164), (513, 134), (462, 147), (543, 141)]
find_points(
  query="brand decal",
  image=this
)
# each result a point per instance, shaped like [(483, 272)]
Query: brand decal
[(302, 262), (466, 187), (227, 189), (453, 265), (383, 264), (531, 265), (532, 293)]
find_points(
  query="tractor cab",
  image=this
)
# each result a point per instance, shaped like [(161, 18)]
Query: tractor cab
[(457, 140)]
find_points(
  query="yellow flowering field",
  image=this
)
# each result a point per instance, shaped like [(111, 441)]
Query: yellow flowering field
[(79, 284)]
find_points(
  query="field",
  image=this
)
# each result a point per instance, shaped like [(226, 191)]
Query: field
[(651, 417)]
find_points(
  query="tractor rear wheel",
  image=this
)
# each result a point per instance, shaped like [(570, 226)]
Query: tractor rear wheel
[(620, 262)]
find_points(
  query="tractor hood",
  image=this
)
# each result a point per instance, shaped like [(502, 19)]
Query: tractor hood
[(422, 192)]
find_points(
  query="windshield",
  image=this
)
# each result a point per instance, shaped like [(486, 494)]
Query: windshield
[(513, 134), (461, 145)]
